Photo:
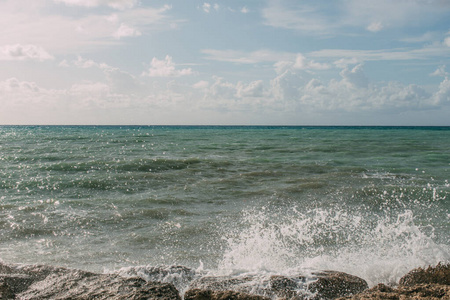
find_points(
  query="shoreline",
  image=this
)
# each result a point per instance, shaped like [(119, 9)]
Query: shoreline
[(19, 281)]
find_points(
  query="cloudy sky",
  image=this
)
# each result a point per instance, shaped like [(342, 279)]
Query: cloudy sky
[(266, 62)]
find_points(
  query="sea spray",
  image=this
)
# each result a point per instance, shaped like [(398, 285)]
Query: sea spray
[(377, 247)]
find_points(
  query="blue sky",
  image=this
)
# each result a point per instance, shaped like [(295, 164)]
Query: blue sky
[(265, 62)]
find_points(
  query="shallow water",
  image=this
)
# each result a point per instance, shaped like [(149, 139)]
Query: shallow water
[(370, 201)]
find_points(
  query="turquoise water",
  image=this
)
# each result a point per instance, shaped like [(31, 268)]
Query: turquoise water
[(370, 201)]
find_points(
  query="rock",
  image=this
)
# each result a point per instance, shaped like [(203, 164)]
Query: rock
[(5, 269), (322, 285), (243, 284), (85, 285), (44, 282), (199, 294), (420, 284), (15, 283), (5, 291), (438, 275), (284, 287), (417, 292), (179, 276), (332, 285)]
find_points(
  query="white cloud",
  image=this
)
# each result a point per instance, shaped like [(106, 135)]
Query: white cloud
[(375, 27), (354, 78), (244, 10), (304, 64), (126, 31), (64, 64), (202, 84), (429, 51), (440, 71), (14, 85), (22, 100), (165, 68), (221, 89), (286, 86), (282, 66), (206, 7), (304, 18), (442, 96), (393, 14), (119, 95), (426, 37), (447, 41), (117, 4), (321, 17), (88, 30), (227, 97), (94, 90), (84, 63), (299, 63), (122, 82), (243, 57), (352, 93), (253, 89), (24, 52), (344, 62), (25, 102), (117, 80)]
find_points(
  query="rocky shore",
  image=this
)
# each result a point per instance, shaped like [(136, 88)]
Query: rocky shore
[(47, 282)]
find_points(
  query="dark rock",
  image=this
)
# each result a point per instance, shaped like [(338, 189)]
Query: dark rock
[(244, 284), (383, 288), (5, 291), (44, 282), (332, 285), (199, 294), (438, 275), (284, 287), (420, 284), (417, 292), (16, 283), (179, 276), (322, 285), (5, 269), (85, 285)]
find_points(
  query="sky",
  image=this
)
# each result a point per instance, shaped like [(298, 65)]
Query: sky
[(225, 62)]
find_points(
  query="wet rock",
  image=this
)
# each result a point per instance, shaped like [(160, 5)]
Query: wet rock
[(284, 287), (432, 283), (199, 294), (246, 284), (417, 292), (321, 285), (15, 283), (5, 269), (179, 276), (332, 285), (5, 291), (45, 282), (86, 285), (439, 274)]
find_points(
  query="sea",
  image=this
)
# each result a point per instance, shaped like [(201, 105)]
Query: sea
[(226, 200)]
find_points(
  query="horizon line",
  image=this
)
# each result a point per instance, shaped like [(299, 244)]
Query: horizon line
[(203, 125)]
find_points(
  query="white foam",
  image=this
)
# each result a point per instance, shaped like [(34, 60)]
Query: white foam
[(379, 249)]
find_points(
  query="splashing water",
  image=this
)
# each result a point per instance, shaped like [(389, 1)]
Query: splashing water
[(378, 248)]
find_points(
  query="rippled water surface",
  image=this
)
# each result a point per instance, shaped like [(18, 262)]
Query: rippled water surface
[(373, 202)]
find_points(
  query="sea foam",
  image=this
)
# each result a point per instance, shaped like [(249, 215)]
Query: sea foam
[(378, 248)]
